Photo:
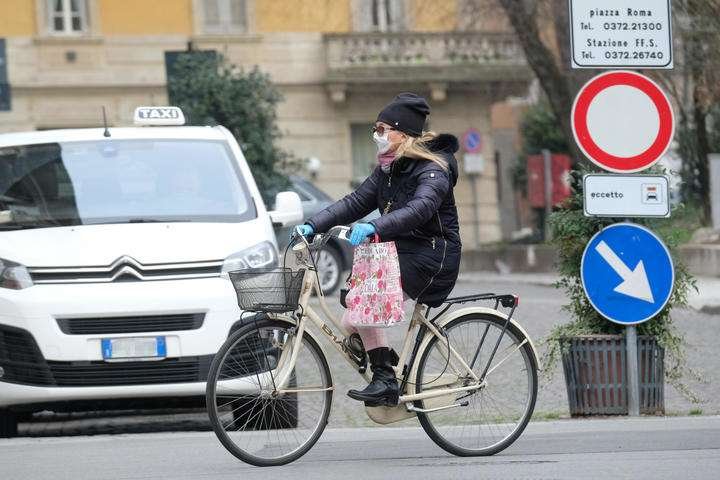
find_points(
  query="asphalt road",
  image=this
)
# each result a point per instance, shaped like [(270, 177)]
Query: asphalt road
[(539, 311), (671, 447), (652, 448)]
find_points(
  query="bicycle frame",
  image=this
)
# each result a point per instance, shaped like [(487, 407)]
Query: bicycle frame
[(286, 365)]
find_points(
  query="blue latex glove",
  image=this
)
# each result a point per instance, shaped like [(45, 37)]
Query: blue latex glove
[(360, 232), (304, 230)]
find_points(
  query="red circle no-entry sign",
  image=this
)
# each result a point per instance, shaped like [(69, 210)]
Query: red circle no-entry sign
[(622, 121)]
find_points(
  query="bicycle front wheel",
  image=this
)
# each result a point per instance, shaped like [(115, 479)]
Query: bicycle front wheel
[(491, 418), (256, 420)]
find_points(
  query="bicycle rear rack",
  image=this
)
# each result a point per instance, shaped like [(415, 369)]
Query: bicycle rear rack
[(506, 300)]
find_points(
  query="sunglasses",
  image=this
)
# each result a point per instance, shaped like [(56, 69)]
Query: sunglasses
[(381, 129)]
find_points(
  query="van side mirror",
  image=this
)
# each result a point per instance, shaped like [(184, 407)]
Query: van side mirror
[(288, 209)]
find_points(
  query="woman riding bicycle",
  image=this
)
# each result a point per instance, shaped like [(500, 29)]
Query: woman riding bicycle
[(412, 186)]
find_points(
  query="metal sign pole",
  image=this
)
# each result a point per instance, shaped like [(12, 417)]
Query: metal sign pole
[(631, 364), (473, 164), (617, 284), (602, 138), (633, 385), (547, 165), (476, 208)]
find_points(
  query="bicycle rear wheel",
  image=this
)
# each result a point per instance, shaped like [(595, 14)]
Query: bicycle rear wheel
[(496, 414), (252, 419)]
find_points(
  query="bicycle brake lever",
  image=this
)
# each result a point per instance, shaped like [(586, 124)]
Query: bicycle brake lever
[(344, 234)]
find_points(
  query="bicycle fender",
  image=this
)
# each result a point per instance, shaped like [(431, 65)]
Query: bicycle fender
[(466, 311)]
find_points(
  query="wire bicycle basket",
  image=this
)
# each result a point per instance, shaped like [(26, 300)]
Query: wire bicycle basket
[(275, 290)]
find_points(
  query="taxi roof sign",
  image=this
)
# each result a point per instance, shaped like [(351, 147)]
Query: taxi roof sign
[(159, 116)]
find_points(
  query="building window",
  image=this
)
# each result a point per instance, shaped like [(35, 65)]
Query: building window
[(67, 17), (224, 16), (380, 15)]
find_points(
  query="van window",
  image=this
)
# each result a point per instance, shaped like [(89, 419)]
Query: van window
[(121, 181)]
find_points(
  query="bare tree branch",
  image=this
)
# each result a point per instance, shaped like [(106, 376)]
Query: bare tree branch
[(543, 61)]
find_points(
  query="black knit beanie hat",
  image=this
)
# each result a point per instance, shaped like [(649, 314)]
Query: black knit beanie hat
[(406, 113)]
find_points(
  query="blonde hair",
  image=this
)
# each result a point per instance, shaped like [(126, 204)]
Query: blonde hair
[(417, 147)]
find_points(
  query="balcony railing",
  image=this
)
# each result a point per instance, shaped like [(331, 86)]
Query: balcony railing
[(432, 56)]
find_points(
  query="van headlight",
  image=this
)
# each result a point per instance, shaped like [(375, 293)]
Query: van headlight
[(14, 276), (259, 256)]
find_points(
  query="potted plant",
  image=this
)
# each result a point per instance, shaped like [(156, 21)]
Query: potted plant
[(593, 348)]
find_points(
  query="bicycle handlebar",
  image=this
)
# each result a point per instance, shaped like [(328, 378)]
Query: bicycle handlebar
[(320, 239)]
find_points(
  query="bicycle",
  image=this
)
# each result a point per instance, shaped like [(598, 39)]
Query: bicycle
[(269, 389)]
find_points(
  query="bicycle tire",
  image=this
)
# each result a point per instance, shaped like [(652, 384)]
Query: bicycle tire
[(426, 419), (210, 396)]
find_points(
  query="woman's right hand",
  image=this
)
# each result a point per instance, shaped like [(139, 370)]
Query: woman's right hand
[(303, 230)]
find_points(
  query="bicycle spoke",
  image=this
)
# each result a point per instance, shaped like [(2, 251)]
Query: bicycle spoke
[(497, 412), (261, 424)]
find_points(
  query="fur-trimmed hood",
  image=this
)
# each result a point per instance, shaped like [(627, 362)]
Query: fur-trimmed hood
[(447, 145)]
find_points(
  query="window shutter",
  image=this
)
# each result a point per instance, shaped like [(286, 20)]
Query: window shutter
[(383, 15), (56, 22), (77, 15), (211, 11), (238, 14), (395, 15), (67, 16)]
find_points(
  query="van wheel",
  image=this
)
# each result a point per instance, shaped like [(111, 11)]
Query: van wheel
[(329, 266), (8, 424)]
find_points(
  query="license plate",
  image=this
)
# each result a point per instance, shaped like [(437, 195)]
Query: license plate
[(134, 347)]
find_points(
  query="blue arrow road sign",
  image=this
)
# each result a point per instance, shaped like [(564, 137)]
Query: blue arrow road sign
[(627, 273)]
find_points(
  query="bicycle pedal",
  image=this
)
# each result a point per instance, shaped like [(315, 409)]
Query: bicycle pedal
[(353, 345)]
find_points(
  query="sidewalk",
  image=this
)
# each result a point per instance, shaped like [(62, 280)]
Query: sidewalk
[(706, 299)]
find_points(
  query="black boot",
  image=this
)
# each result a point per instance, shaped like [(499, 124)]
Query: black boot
[(383, 390)]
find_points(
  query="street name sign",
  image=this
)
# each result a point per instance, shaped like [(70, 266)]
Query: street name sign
[(622, 121), (473, 160), (621, 34), (474, 163), (627, 273), (612, 195)]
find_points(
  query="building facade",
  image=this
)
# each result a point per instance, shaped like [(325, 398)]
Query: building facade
[(337, 62)]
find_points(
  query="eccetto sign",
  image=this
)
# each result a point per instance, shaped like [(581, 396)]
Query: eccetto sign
[(610, 195), (621, 34)]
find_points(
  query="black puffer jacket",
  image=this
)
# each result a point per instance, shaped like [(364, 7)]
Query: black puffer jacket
[(418, 212)]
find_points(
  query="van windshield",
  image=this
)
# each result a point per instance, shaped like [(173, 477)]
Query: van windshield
[(121, 181)]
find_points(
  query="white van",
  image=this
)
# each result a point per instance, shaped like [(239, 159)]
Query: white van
[(112, 248)]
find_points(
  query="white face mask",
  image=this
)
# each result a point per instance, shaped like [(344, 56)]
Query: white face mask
[(383, 144)]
